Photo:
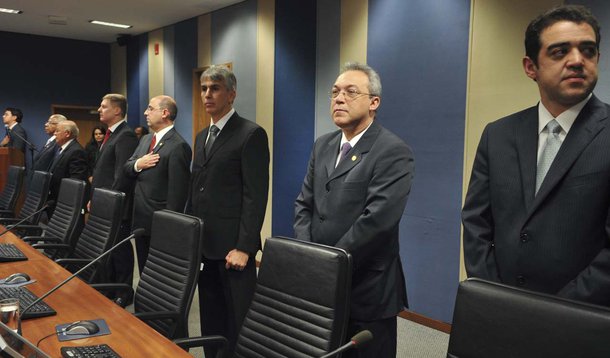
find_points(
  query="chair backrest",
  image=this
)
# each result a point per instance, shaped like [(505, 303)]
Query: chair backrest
[(67, 219), (495, 320), (301, 304), (100, 231), (171, 270), (36, 197), (12, 188)]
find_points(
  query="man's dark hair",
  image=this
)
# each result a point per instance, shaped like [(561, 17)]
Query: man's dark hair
[(573, 13), (15, 112)]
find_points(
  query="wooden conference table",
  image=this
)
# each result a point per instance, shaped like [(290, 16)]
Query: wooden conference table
[(75, 301)]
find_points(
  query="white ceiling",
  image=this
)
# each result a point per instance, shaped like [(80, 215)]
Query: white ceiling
[(143, 15)]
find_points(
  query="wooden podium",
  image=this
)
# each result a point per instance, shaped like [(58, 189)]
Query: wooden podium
[(8, 157)]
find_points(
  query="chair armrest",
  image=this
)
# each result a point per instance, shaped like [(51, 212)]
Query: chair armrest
[(71, 261), (35, 239), (29, 229), (105, 287), (207, 341), (52, 246), (147, 316), (9, 221)]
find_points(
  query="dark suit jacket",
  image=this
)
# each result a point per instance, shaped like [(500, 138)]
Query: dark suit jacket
[(229, 188), (164, 186), (44, 158), (108, 172), (557, 241), (71, 163), (16, 137), (358, 206)]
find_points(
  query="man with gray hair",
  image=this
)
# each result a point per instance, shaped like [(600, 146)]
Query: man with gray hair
[(44, 158), (228, 189), (353, 196), (70, 159)]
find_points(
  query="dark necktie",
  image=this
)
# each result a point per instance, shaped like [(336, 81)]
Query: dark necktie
[(345, 148), (152, 143), (213, 134)]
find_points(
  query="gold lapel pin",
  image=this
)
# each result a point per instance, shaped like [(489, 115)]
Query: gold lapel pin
[(354, 158)]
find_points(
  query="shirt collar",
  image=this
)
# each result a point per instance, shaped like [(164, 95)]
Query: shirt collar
[(222, 121), (163, 132), (114, 126), (66, 144), (565, 119), (356, 138)]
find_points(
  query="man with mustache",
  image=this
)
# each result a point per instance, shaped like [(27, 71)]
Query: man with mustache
[(537, 211)]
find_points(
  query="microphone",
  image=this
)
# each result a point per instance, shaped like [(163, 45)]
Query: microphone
[(45, 206), (137, 233), (359, 339), (30, 145)]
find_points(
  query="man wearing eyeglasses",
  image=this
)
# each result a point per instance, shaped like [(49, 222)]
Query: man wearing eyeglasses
[(44, 158), (353, 197), (161, 166)]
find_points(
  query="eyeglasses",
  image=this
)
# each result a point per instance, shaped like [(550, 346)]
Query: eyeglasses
[(350, 93), (150, 108)]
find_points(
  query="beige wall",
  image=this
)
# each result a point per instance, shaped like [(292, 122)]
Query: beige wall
[(155, 63), (265, 67), (118, 69), (497, 85), (204, 40), (354, 30)]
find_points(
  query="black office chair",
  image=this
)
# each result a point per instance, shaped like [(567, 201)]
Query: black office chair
[(301, 304), (167, 284), (67, 221), (36, 198), (98, 235), (12, 189), (499, 321)]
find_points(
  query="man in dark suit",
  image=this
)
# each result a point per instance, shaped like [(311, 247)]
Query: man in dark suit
[(118, 145), (161, 166), (70, 160), (16, 136), (228, 190), (44, 158), (353, 197), (537, 211)]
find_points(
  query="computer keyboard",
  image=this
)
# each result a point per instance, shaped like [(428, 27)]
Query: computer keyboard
[(9, 253), (26, 297), (100, 351)]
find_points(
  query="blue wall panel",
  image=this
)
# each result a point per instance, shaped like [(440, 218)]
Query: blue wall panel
[(234, 40), (185, 59), (137, 79), (38, 71), (420, 49), (294, 105)]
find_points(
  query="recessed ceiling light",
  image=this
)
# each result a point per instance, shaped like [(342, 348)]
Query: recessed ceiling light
[(109, 24), (10, 11)]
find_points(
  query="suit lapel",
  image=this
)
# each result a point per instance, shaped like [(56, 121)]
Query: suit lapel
[(330, 154), (590, 121), (167, 137), (113, 135), (355, 155), (526, 138)]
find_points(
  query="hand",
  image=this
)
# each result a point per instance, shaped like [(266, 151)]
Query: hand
[(147, 161), (236, 260), (89, 206), (4, 141), (91, 179)]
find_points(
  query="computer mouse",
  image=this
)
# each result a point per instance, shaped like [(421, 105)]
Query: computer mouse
[(82, 327), (17, 278)]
